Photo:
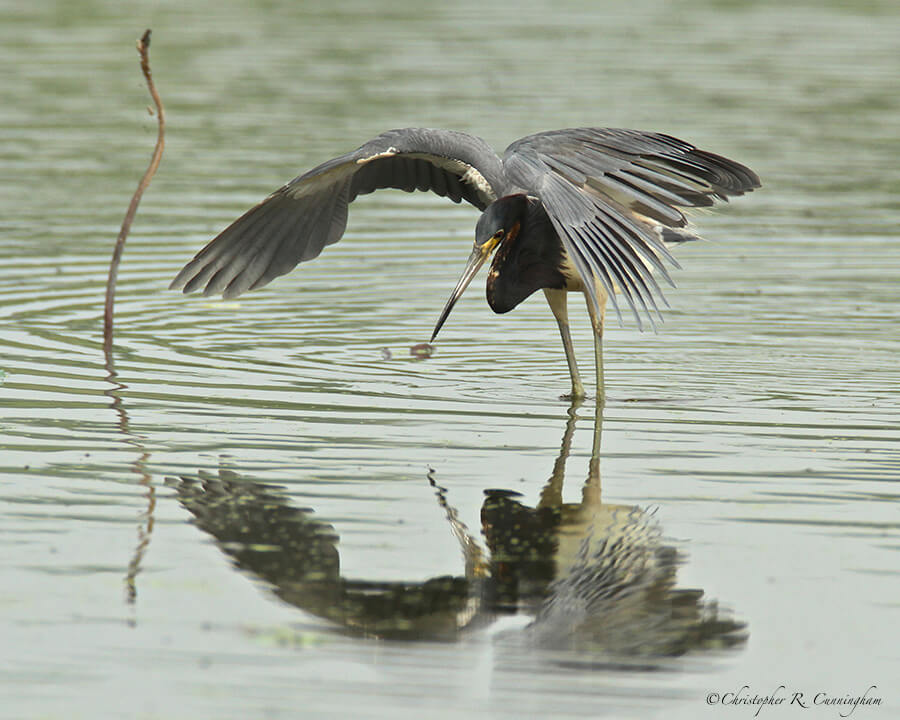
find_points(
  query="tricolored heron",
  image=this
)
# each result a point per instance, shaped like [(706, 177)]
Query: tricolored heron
[(589, 210)]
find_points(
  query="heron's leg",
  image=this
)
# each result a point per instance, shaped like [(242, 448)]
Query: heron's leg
[(597, 324), (556, 299)]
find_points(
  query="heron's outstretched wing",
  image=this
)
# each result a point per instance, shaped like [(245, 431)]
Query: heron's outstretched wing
[(296, 221), (615, 196)]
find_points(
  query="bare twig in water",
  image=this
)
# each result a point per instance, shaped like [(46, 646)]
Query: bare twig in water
[(143, 47)]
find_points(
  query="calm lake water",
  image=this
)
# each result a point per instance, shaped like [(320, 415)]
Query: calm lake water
[(271, 509)]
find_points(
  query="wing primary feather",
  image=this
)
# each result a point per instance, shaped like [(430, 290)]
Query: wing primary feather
[(638, 237), (631, 277), (250, 248), (267, 245), (687, 166), (627, 285), (664, 186), (613, 271), (286, 246), (650, 238), (657, 168), (214, 247), (205, 263), (747, 179), (725, 180), (672, 142), (676, 183), (258, 265), (599, 268), (240, 237), (637, 263), (291, 229), (311, 241), (286, 224), (643, 282), (638, 234), (670, 199), (647, 202)]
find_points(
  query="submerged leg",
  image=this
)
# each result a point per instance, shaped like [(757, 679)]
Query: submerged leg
[(556, 299), (597, 325)]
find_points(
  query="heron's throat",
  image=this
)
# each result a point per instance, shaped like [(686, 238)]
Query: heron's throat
[(504, 273)]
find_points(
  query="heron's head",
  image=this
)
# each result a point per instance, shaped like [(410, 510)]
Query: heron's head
[(500, 222)]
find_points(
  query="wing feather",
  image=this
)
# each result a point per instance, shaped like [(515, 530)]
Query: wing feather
[(299, 219), (616, 196)]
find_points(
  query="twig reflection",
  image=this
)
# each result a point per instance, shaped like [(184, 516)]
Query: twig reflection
[(139, 466)]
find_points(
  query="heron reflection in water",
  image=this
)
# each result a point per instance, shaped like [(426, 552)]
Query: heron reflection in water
[(596, 578), (589, 210)]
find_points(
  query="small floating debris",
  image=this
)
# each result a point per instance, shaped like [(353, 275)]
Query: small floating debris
[(422, 351), (386, 354), (220, 305)]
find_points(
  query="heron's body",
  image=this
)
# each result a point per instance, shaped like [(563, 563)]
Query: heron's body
[(587, 210)]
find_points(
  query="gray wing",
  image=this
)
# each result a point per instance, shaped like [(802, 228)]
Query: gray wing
[(615, 197), (296, 221)]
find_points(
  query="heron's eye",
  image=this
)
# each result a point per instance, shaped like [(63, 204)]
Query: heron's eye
[(492, 240), (496, 237)]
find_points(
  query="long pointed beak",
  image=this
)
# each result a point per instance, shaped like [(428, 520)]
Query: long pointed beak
[(476, 260)]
